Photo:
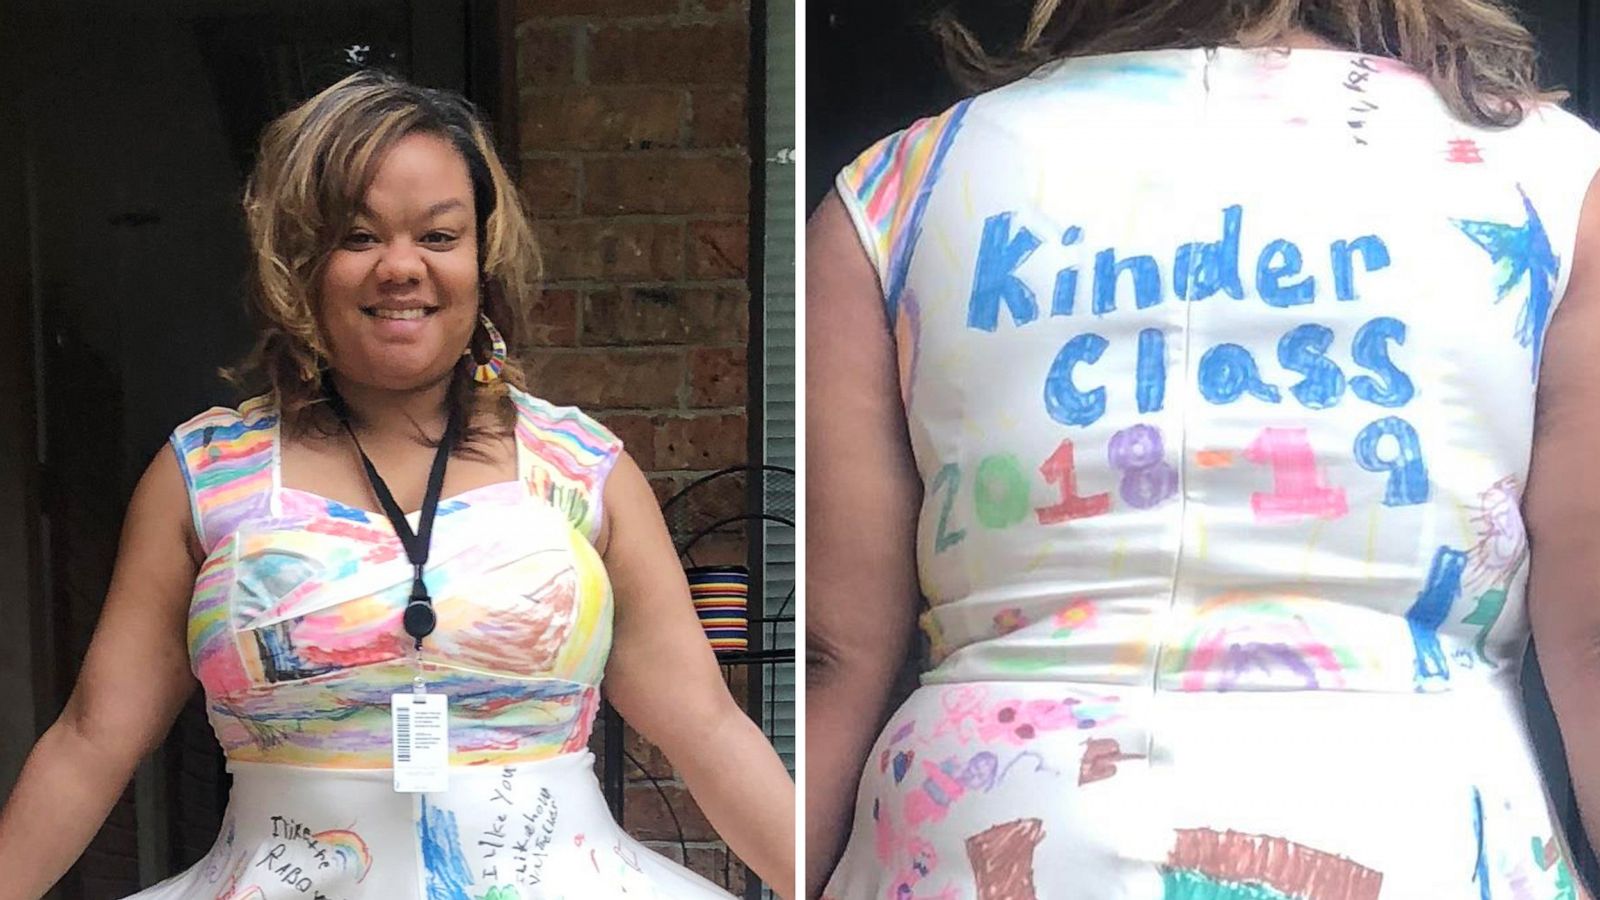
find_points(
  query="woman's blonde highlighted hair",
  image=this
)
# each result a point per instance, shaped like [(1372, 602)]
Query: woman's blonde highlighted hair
[(315, 165), (1476, 53)]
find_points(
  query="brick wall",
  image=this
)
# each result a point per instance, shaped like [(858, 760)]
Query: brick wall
[(635, 163)]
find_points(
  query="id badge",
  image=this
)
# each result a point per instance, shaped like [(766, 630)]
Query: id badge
[(421, 732)]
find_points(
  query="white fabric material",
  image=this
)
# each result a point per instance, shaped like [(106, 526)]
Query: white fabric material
[(1220, 371), (532, 831)]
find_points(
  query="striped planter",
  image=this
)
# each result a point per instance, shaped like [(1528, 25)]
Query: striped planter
[(721, 597)]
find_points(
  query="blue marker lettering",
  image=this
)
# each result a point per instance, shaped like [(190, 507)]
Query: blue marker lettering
[(1304, 350), (1062, 399), (1227, 371), (1374, 256), (1200, 270), (1146, 280), (1371, 351), (1279, 260), (1408, 474), (995, 281), (1151, 381), (1066, 294)]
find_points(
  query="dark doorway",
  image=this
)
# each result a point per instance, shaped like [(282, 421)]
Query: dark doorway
[(137, 126)]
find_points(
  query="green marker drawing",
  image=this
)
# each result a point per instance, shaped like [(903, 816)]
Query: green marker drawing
[(1490, 605)]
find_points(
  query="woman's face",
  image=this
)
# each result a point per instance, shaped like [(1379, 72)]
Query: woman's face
[(398, 299)]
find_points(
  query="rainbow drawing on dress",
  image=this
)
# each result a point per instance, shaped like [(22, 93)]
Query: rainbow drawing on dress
[(349, 849), (1256, 640)]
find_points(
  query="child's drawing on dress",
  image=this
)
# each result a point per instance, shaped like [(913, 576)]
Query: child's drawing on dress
[(1490, 604), (1016, 722), (1002, 860), (944, 784), (446, 866), (1206, 864), (911, 859), (1100, 758), (1139, 453), (1074, 616), (1502, 543), (1430, 611), (1547, 855), (1518, 252), (1464, 151), (1008, 621), (963, 710), (1243, 640)]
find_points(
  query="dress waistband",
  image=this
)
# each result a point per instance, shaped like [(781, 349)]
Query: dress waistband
[(564, 765)]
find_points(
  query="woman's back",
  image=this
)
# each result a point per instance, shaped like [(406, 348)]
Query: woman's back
[(1219, 367)]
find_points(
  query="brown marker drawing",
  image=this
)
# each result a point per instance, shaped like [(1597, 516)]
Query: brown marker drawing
[(1002, 860), (1294, 869), (1100, 758)]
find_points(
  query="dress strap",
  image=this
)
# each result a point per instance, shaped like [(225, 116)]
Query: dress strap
[(886, 190), (564, 458), (228, 461)]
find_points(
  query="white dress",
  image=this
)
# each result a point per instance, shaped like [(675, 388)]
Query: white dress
[(295, 634), (1219, 369)]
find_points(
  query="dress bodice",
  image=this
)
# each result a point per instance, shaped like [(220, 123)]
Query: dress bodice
[(1220, 366), (294, 628)]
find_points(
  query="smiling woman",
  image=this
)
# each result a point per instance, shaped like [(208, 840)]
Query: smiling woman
[(391, 206), (405, 708)]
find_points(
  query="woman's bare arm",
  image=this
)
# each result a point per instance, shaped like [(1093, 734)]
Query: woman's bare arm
[(862, 496), (664, 680), (134, 681), (1563, 516)]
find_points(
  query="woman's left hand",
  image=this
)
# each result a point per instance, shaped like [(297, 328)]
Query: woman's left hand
[(664, 679)]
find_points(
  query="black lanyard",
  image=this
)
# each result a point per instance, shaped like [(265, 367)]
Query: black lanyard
[(419, 618)]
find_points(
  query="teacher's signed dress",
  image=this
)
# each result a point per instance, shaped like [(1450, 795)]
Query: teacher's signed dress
[(295, 635), (1219, 369)]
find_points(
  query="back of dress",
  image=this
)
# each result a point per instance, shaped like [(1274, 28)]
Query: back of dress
[(1219, 367)]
